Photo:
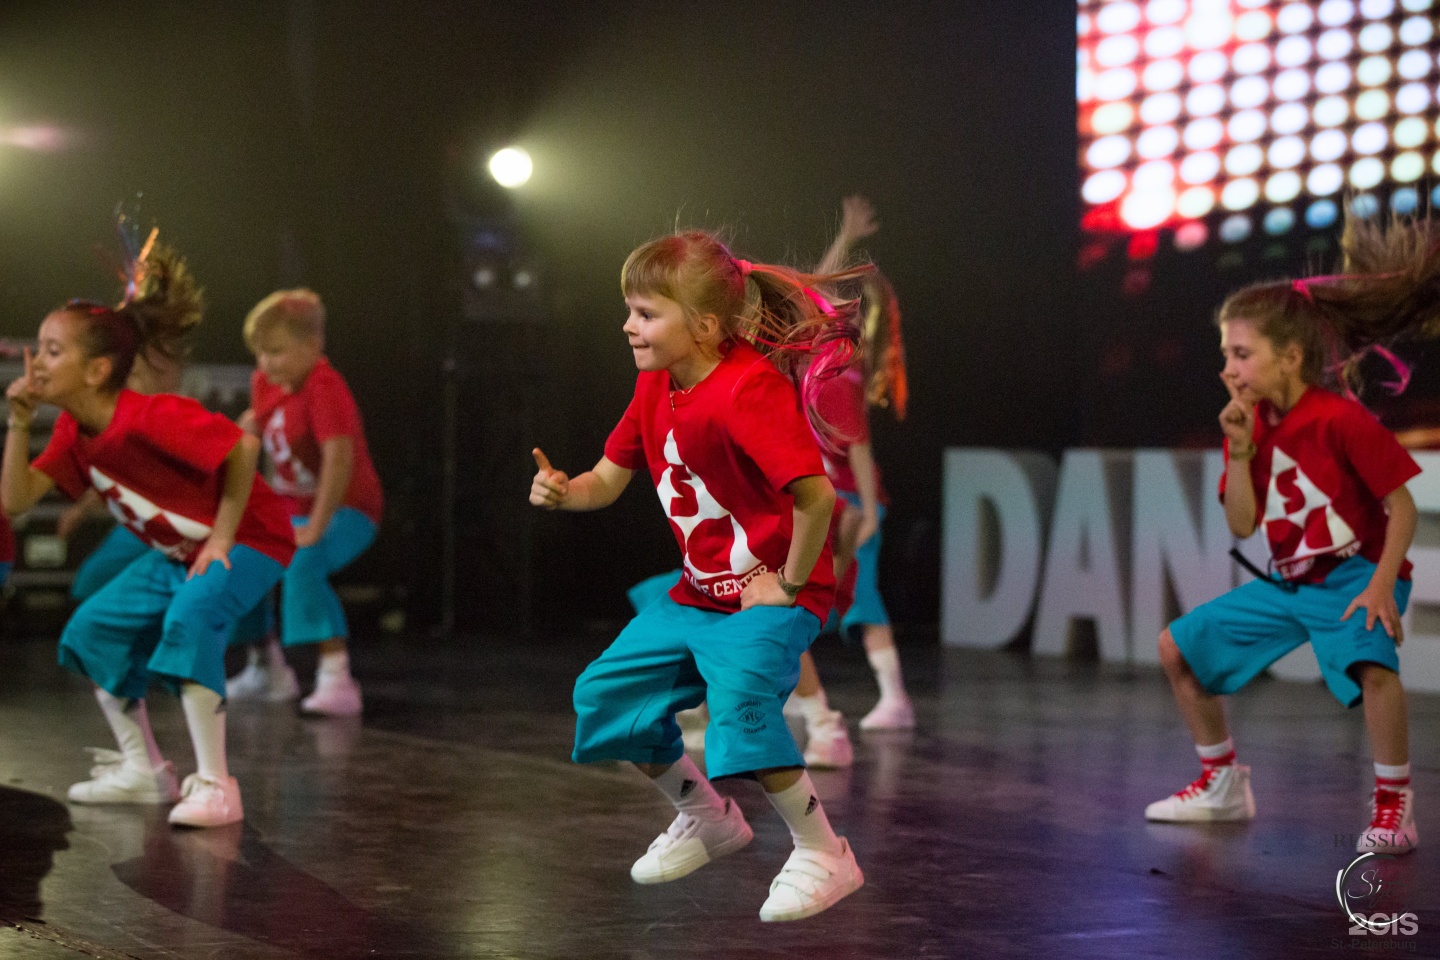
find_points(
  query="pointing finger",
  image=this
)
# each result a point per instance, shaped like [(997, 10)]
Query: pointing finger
[(540, 459), (1230, 386), (29, 358)]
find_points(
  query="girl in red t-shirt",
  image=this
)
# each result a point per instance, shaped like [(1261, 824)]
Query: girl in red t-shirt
[(843, 403), (183, 480), (722, 432), (1326, 483), (304, 412)]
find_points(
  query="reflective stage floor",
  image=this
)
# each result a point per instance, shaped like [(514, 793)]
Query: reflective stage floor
[(451, 824)]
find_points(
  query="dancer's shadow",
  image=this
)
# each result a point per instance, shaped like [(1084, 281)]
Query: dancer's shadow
[(32, 829), (225, 877)]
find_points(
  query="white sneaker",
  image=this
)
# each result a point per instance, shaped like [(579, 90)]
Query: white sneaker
[(113, 779), (1219, 793), (259, 682), (828, 746), (893, 713), (812, 881), (336, 695), (1392, 823), (690, 843), (208, 802)]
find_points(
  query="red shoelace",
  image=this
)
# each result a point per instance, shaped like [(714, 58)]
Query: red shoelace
[(1200, 783), (1389, 810)]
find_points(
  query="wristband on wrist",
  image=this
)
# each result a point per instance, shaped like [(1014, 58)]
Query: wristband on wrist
[(792, 590), (15, 424), (1245, 454)]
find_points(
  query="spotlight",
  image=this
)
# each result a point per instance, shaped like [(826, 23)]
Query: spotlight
[(511, 167)]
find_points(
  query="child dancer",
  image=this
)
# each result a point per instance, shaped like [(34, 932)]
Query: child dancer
[(729, 449), (852, 467), (1327, 484), (311, 426), (182, 479), (151, 374)]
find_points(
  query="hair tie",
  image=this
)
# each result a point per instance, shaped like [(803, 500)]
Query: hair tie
[(744, 266)]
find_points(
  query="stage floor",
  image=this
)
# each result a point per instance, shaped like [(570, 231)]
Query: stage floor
[(451, 824)]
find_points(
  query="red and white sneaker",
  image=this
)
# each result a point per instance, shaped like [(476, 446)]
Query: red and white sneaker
[(1218, 794), (1392, 822)]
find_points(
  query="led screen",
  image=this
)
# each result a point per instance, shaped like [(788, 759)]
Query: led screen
[(1215, 121)]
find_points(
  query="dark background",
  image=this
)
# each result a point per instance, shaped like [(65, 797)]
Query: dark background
[(340, 146)]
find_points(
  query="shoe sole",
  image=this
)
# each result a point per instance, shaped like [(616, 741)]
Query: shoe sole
[(855, 883), (200, 826), (1216, 817), (132, 801), (690, 866)]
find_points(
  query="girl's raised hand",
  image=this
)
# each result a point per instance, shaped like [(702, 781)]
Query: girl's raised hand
[(21, 394), (550, 486), (857, 219), (1238, 418)]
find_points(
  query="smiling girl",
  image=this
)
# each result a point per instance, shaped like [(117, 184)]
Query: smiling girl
[(739, 476), (1326, 483), (181, 479)]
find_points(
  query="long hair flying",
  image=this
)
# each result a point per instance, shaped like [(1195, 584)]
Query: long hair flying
[(1388, 292)]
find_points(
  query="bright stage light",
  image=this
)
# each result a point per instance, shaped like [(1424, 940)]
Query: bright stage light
[(1232, 118), (511, 167)]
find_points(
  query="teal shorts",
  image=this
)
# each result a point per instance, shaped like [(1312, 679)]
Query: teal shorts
[(1230, 640), (154, 620), (672, 657)]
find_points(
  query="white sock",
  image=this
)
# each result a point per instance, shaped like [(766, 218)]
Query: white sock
[(686, 787), (130, 722), (800, 808), (337, 662), (1218, 755), (1392, 775), (274, 656), (205, 715), (886, 664), (813, 708)]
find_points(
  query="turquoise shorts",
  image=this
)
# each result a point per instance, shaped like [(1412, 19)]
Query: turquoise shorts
[(118, 550), (1230, 640), (310, 611), (868, 607), (672, 657), (152, 619)]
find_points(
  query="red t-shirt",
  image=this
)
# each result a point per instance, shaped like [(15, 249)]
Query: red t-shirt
[(7, 541), (720, 455), (1321, 474), (157, 467), (294, 426), (840, 402)]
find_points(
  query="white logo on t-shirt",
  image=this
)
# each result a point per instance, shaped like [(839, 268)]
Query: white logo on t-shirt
[(171, 534), (680, 485), (292, 478), (1300, 521)]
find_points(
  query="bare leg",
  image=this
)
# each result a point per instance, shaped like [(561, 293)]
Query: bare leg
[(1385, 715), (809, 684), (1204, 712), (878, 637)]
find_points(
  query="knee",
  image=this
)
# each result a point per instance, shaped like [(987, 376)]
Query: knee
[(1171, 659), (1375, 679)]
